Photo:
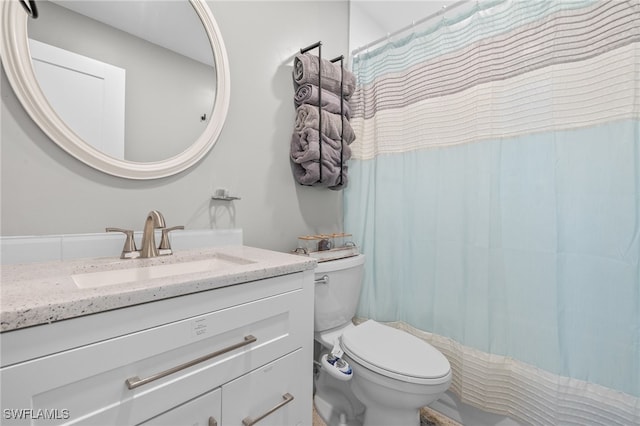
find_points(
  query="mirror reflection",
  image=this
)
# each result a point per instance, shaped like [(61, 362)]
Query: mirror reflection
[(134, 79)]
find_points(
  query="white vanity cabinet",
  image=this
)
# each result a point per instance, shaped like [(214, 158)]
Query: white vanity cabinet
[(228, 356)]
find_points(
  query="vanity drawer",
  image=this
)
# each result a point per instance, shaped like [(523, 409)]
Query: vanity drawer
[(175, 362), (270, 395), (202, 411)]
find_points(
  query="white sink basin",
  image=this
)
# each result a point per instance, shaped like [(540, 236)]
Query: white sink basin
[(127, 275)]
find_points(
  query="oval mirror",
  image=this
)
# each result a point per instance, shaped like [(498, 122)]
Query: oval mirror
[(129, 101)]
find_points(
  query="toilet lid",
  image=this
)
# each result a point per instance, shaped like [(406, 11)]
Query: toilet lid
[(395, 353)]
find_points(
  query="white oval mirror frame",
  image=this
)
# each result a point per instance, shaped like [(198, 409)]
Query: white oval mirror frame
[(17, 63)]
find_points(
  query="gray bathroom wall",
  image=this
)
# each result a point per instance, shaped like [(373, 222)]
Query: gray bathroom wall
[(45, 191)]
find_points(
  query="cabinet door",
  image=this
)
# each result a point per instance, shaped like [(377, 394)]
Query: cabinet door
[(202, 411), (275, 394)]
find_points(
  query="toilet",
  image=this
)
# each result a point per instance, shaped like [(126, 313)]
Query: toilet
[(390, 374)]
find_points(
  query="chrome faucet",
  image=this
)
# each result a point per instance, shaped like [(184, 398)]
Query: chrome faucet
[(154, 220)]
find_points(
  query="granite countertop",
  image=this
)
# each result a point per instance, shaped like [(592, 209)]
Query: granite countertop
[(41, 293)]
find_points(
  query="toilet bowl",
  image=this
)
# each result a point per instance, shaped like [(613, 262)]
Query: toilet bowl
[(394, 373)]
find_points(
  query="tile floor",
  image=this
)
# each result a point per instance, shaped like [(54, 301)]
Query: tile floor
[(459, 412), (451, 406)]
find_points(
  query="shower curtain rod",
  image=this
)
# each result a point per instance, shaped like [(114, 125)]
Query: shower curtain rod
[(442, 11)]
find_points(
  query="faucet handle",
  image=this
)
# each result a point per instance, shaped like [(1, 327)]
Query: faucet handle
[(129, 250), (164, 240)]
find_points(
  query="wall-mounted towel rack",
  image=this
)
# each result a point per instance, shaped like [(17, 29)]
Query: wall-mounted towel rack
[(318, 45), (334, 60)]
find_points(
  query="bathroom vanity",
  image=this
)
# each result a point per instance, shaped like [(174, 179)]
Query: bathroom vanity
[(219, 336)]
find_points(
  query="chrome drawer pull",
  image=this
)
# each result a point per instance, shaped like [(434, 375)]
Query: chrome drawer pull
[(212, 421), (323, 280), (136, 381), (248, 421)]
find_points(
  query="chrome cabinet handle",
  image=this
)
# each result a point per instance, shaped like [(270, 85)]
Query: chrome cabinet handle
[(323, 280), (212, 421), (248, 421), (136, 381)]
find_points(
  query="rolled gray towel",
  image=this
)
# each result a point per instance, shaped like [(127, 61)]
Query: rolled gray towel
[(309, 94), (304, 147), (307, 116), (305, 157), (307, 174), (305, 70)]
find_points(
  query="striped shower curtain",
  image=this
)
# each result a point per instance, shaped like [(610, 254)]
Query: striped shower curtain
[(495, 191)]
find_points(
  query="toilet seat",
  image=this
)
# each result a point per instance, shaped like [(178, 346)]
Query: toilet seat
[(395, 354)]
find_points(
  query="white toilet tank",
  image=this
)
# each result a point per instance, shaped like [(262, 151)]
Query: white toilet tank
[(337, 291)]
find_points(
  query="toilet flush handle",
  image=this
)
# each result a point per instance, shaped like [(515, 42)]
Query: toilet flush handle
[(323, 280)]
